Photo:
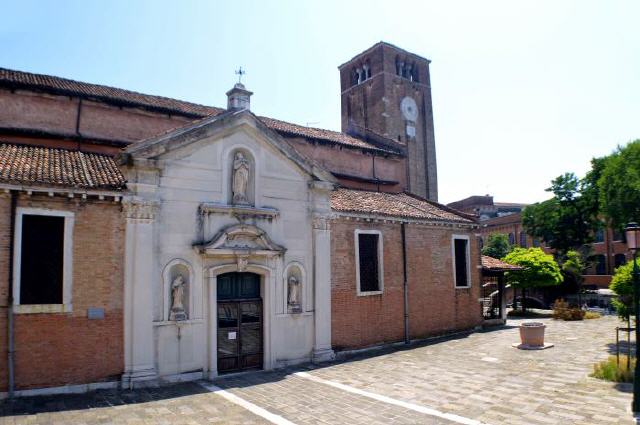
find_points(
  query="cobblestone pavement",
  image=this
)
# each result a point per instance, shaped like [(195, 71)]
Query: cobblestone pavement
[(476, 377)]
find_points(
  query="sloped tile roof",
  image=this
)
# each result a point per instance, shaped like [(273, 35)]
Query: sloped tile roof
[(321, 134), (493, 264), (49, 83), (39, 166), (505, 219), (402, 205), (57, 85)]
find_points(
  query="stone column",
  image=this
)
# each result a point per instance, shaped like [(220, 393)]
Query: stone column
[(322, 286), (138, 298)]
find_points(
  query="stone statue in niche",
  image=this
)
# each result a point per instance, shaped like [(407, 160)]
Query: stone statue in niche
[(293, 295), (177, 299), (240, 184)]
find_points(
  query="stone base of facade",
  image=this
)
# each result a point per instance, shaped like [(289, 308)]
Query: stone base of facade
[(140, 378), (323, 355)]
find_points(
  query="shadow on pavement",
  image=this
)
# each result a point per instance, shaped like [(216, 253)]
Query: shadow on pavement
[(95, 399)]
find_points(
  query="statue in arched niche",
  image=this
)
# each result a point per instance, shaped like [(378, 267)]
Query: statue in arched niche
[(177, 299), (240, 184), (293, 295)]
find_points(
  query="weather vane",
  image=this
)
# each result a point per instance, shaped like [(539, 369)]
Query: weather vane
[(240, 72)]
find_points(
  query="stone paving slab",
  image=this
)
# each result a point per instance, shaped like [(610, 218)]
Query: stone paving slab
[(187, 403), (308, 403), (478, 376), (481, 376)]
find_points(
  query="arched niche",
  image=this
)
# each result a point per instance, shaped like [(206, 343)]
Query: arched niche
[(235, 157), (294, 280), (175, 268)]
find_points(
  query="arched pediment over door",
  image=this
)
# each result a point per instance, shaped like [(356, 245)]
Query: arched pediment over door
[(241, 241)]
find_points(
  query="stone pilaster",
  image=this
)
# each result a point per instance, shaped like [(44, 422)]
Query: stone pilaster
[(138, 308), (322, 278)]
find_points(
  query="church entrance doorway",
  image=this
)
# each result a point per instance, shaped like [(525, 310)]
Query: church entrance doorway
[(239, 322)]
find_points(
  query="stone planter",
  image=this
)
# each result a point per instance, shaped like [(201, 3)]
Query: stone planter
[(532, 334)]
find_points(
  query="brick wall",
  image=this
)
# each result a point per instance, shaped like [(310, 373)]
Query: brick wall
[(60, 349), (435, 306)]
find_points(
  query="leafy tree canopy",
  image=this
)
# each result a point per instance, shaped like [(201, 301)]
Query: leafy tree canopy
[(622, 285), (497, 245), (619, 185), (567, 220), (539, 269)]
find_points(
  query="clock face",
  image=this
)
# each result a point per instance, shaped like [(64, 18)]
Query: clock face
[(409, 109)]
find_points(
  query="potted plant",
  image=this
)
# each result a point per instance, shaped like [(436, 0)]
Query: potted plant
[(532, 334)]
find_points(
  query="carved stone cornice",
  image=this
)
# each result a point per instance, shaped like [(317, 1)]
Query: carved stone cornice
[(321, 222), (140, 209), (241, 240)]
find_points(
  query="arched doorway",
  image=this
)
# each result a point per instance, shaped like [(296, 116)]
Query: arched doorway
[(239, 315)]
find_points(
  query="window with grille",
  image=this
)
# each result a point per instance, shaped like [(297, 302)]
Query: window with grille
[(369, 261)]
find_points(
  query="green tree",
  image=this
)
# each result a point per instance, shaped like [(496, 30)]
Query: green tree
[(572, 268), (497, 245), (539, 269), (622, 285), (619, 185), (568, 220)]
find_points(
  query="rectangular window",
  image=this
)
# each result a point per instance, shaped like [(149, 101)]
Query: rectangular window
[(369, 262), (461, 262), (43, 261)]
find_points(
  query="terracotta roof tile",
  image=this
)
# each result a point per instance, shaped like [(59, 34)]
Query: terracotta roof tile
[(38, 166), (289, 129), (505, 219), (493, 264), (57, 85), (401, 205)]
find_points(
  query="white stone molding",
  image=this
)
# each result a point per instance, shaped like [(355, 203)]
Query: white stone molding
[(240, 240), (140, 209), (357, 233), (239, 211), (166, 287), (453, 260), (67, 262), (267, 290)]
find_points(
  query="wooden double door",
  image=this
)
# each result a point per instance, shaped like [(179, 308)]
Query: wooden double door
[(239, 322)]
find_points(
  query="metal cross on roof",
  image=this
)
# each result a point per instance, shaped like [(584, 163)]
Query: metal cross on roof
[(240, 72)]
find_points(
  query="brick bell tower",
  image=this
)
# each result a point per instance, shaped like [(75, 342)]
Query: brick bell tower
[(387, 90)]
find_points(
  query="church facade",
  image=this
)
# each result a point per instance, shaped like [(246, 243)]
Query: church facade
[(147, 239)]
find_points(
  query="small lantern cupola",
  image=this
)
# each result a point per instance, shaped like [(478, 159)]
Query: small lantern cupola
[(238, 97)]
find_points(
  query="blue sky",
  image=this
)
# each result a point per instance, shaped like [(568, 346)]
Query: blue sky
[(522, 91)]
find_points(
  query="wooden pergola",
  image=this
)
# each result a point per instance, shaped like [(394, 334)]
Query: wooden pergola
[(494, 306)]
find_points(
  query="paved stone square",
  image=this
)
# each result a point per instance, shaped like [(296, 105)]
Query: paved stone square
[(472, 378)]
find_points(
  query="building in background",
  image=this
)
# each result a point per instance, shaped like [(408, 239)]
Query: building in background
[(485, 208)]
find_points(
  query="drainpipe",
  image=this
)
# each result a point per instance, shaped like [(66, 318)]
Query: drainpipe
[(405, 286), (10, 316)]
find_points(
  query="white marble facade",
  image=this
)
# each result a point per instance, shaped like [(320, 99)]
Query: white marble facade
[(183, 226)]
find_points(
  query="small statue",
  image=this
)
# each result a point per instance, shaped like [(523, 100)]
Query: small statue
[(241, 169), (293, 295), (177, 299)]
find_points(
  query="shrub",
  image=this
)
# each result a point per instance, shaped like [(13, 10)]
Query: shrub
[(562, 311), (610, 370), (592, 315)]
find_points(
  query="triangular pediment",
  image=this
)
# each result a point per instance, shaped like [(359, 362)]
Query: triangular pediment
[(219, 126)]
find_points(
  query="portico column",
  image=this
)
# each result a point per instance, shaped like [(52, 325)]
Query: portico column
[(138, 310), (322, 278)]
